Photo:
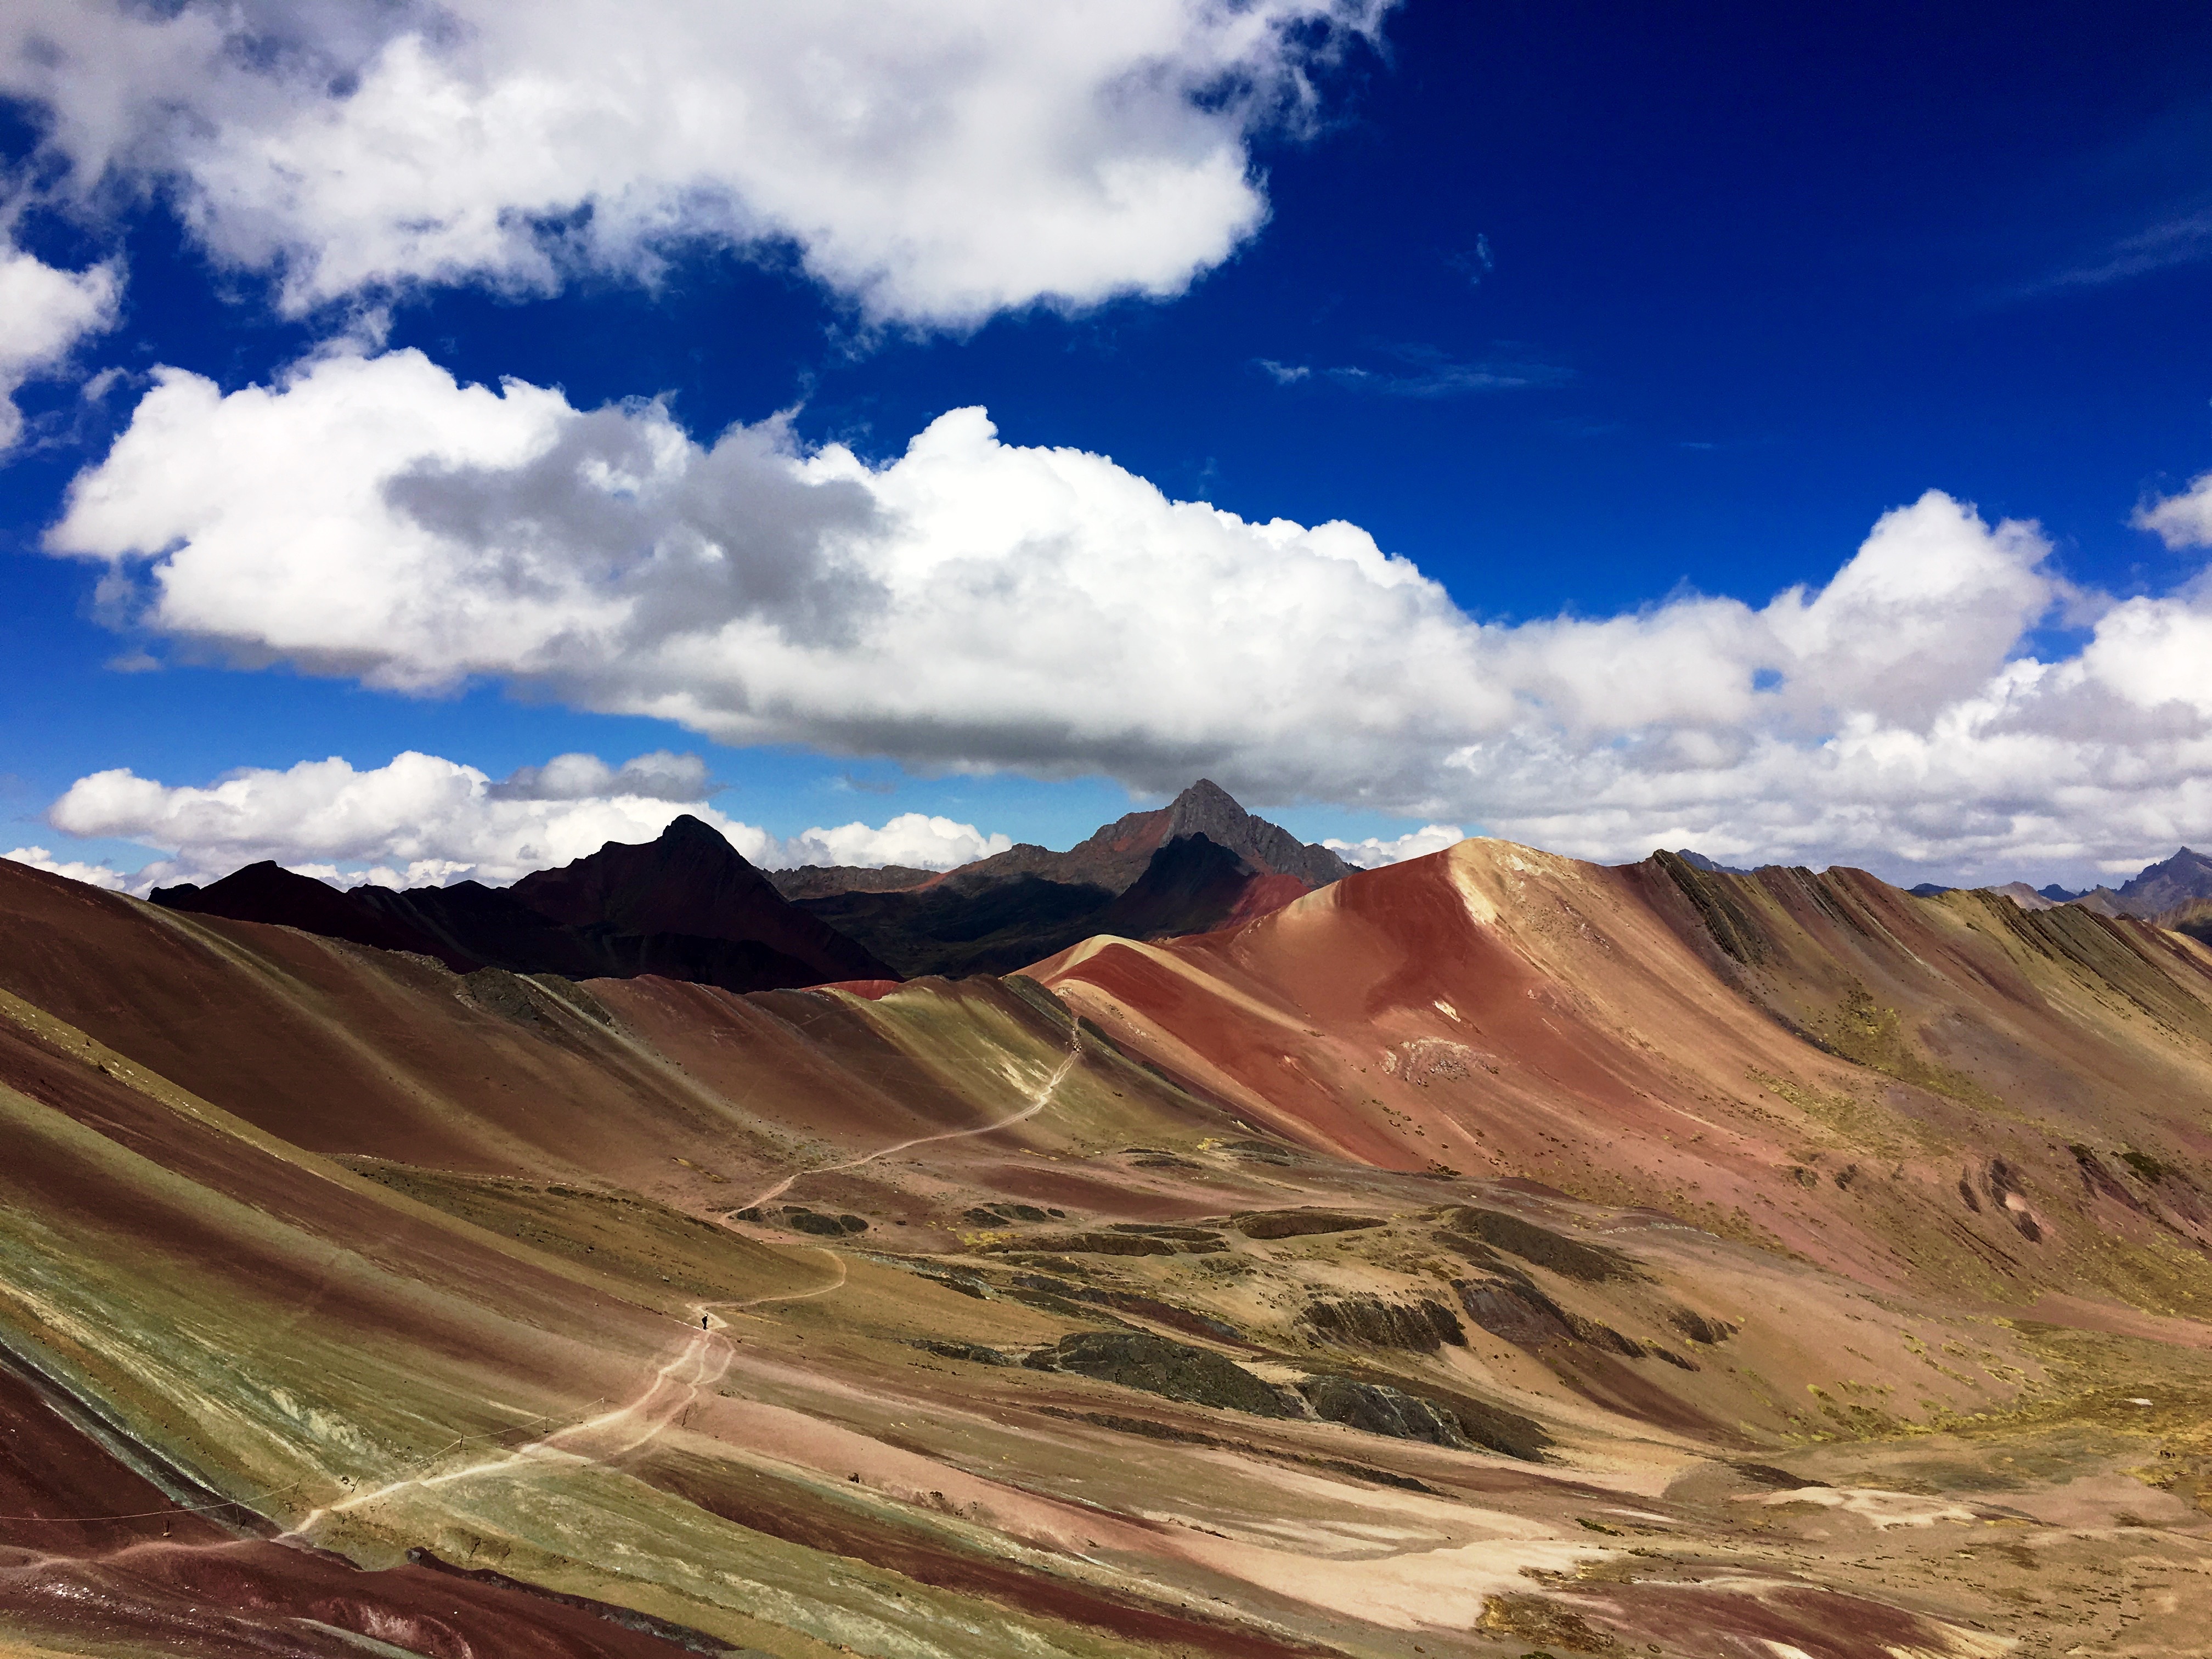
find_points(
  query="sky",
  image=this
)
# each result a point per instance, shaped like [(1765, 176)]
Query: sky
[(441, 439)]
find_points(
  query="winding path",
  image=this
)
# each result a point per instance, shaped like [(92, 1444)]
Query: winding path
[(1043, 1099), (696, 1367)]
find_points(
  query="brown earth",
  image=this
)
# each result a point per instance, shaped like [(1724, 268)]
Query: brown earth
[(1489, 1255)]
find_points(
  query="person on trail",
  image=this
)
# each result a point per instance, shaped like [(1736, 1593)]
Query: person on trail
[(702, 1322)]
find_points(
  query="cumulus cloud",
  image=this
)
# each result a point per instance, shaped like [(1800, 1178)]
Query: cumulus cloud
[(93, 875), (43, 313), (913, 839), (1374, 851), (2183, 520), (422, 820), (974, 605), (936, 160)]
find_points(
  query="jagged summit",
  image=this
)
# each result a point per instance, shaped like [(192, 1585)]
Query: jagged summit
[(1115, 854), (2166, 891), (1698, 860), (688, 880), (686, 905), (2169, 884), (1206, 809), (1016, 906)]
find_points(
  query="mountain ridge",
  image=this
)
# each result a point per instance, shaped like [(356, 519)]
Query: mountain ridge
[(999, 914), (686, 905), (1549, 1215)]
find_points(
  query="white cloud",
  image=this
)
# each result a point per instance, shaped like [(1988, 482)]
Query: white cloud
[(1375, 852), (937, 159), (93, 875), (2183, 520), (422, 820), (912, 839), (43, 313), (978, 606)]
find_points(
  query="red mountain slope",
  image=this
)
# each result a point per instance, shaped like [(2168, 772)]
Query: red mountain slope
[(1912, 1091)]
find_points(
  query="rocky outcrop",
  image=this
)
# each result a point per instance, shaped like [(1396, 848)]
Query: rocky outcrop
[(1377, 1408), (1137, 1359)]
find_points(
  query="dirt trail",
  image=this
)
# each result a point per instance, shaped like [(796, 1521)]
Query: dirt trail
[(697, 1365), (1043, 1099), (680, 1381)]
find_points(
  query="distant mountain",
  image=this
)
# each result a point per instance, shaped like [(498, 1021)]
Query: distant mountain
[(1004, 912), (691, 882), (1929, 889), (686, 905), (1699, 861), (1193, 885), (268, 892), (2059, 894), (2025, 896), (820, 880), (2186, 876), (2162, 892), (1112, 859)]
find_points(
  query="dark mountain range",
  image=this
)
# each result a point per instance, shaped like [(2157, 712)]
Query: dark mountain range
[(820, 880), (268, 892), (2163, 893), (1112, 859), (687, 906), (1183, 868), (1711, 867), (2180, 880)]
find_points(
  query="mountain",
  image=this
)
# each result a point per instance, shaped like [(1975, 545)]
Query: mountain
[(2020, 893), (2186, 876), (267, 892), (691, 882), (1192, 884), (1111, 858), (1000, 913), (1699, 861), (686, 905), (1117, 854), (2159, 892), (1493, 1253), (807, 881)]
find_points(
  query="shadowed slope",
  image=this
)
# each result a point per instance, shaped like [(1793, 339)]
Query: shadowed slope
[(267, 892), (686, 905), (691, 882)]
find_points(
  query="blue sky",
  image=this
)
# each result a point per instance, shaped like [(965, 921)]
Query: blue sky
[(1598, 316)]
